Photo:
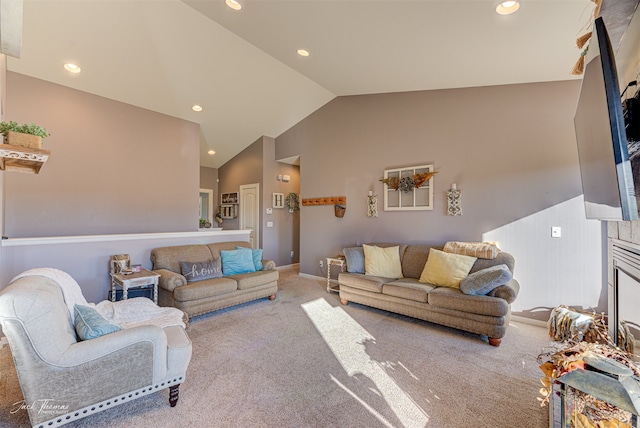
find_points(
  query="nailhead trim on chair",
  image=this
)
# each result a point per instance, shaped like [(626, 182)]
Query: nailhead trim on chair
[(104, 405)]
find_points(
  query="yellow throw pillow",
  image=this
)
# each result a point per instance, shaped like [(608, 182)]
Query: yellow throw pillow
[(446, 269), (384, 262)]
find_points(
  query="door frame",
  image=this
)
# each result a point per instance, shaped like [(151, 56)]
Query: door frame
[(256, 213)]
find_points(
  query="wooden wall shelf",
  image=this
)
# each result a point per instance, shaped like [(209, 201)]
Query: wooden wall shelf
[(332, 200), (22, 159)]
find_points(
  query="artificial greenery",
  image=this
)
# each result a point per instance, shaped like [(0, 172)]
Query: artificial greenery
[(293, 203), (30, 128)]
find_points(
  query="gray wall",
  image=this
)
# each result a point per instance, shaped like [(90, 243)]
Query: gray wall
[(510, 149), (257, 164), (114, 167), (209, 180)]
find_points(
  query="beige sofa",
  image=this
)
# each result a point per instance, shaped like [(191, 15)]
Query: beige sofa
[(195, 298), (481, 314)]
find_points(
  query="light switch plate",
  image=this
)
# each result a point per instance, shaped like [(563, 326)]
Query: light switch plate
[(556, 232), (269, 210), (269, 224)]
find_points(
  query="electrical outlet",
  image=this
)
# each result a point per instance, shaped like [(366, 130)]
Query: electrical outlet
[(321, 263), (291, 253)]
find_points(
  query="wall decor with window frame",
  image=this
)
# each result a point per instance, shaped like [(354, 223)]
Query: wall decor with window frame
[(401, 192)]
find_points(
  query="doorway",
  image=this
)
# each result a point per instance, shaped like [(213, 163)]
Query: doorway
[(250, 212)]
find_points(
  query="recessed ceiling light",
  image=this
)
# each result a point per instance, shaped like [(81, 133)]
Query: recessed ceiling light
[(72, 68), (303, 52), (507, 7), (233, 4), (196, 108), (212, 152)]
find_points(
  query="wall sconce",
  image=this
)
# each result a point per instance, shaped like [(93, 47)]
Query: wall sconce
[(372, 205), (454, 201)]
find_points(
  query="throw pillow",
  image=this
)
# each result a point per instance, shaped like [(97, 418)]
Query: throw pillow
[(484, 281), (198, 271), (90, 324), (481, 250), (383, 262), (256, 254), (237, 261), (446, 269), (355, 259)]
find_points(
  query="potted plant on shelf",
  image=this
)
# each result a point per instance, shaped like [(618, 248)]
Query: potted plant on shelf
[(25, 135)]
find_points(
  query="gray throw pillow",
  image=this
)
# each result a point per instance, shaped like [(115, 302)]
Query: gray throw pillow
[(484, 281), (197, 271), (355, 259)]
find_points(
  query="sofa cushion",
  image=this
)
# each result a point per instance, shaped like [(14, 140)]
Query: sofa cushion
[(256, 254), (355, 259), (382, 262), (485, 280), (481, 250), (197, 271), (446, 269), (454, 299), (362, 282), (254, 279), (237, 261), (407, 288), (90, 324), (170, 257), (415, 257), (205, 288)]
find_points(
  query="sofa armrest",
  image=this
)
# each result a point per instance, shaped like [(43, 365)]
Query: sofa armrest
[(268, 264), (90, 350), (169, 280), (508, 291)]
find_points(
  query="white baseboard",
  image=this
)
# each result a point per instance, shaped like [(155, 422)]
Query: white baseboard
[(291, 266), (523, 320)]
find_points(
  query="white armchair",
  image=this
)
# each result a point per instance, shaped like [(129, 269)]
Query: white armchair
[(78, 378)]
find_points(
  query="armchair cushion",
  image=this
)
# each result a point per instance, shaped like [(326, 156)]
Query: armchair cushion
[(90, 324)]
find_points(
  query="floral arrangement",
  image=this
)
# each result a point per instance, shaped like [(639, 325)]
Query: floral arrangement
[(407, 184), (293, 202)]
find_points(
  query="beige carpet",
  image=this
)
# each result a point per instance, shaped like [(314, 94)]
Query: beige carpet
[(304, 360)]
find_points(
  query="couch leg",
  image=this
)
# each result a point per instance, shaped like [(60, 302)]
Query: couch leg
[(344, 301), (494, 342), (173, 395), (272, 297)]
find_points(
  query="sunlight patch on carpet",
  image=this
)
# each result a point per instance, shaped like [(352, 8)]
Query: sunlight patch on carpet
[(347, 339)]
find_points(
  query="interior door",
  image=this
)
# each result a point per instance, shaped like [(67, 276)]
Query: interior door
[(250, 212)]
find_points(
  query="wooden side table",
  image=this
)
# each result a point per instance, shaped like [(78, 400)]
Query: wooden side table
[(144, 278), (337, 262)]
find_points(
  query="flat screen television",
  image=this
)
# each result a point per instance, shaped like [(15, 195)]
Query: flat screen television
[(609, 165)]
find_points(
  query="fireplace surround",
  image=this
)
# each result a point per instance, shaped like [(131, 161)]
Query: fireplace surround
[(624, 295)]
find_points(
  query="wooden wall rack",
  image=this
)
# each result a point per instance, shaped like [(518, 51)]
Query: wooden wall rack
[(331, 200)]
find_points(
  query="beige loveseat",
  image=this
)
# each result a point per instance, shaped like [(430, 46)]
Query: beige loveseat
[(208, 295), (481, 314)]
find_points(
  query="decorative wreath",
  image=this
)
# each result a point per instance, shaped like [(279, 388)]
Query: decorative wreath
[(293, 203), (407, 184)]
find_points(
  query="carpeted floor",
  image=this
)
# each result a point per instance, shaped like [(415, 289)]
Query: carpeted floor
[(304, 360)]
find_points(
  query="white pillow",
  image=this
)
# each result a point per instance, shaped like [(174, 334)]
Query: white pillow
[(383, 262)]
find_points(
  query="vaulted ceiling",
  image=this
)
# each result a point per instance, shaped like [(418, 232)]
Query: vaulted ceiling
[(243, 69)]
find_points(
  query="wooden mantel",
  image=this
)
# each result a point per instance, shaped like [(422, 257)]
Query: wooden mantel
[(22, 159)]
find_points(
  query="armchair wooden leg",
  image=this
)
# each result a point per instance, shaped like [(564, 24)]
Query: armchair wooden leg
[(173, 395), (344, 301), (494, 342)]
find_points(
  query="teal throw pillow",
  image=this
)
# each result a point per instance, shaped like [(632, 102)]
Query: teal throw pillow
[(256, 254), (197, 271), (237, 261), (90, 324), (484, 281), (355, 259)]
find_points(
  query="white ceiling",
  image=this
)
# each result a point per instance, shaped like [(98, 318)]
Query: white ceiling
[(242, 66)]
